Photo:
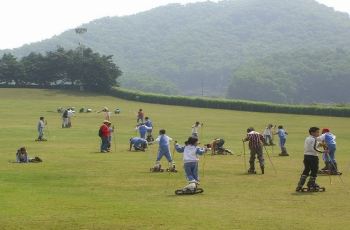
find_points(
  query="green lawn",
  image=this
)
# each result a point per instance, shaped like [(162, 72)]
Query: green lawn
[(77, 188)]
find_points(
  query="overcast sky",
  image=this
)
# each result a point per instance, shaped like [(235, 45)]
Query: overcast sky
[(26, 21)]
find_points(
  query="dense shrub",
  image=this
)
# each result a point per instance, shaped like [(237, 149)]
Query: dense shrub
[(239, 105)]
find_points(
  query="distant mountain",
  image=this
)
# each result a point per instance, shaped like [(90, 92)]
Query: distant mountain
[(275, 50)]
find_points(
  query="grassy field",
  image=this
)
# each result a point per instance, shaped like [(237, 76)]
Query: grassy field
[(78, 188)]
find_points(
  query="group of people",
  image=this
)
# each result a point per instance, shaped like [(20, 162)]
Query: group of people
[(191, 151), (269, 133), (311, 160), (67, 115)]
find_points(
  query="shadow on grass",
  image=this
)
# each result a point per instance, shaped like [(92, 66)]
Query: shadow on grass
[(303, 193)]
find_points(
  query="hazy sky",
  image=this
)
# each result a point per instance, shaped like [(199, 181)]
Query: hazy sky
[(25, 21)]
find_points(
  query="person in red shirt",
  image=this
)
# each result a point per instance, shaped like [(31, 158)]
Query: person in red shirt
[(104, 134), (256, 141), (140, 116)]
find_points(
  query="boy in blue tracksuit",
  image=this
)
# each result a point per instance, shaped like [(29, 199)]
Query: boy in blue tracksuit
[(139, 144), (282, 134), (143, 129), (328, 140), (149, 124), (164, 150), (190, 157)]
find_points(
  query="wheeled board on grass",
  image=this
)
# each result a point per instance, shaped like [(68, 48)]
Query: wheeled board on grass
[(181, 192)]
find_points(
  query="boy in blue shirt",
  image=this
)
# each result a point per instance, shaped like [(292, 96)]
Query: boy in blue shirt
[(139, 144), (282, 134), (164, 150), (149, 124), (328, 140), (143, 129)]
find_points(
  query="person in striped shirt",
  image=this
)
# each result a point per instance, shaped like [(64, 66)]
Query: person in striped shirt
[(256, 140)]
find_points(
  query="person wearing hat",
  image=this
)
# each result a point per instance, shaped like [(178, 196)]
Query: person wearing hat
[(330, 145), (104, 134)]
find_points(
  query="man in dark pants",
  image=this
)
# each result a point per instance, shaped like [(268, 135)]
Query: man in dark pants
[(310, 161), (256, 141)]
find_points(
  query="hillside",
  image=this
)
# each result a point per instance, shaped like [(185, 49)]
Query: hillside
[(229, 47)]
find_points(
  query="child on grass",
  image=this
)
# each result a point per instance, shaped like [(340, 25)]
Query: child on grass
[(256, 141), (164, 150), (41, 127), (140, 116), (190, 157), (268, 132), (143, 129), (138, 144), (195, 129), (330, 145), (310, 160), (282, 134)]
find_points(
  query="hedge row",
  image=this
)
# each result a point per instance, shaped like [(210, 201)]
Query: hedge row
[(230, 104)]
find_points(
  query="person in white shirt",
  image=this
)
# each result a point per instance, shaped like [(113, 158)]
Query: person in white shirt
[(195, 129), (41, 126), (311, 161), (190, 157), (268, 134), (70, 114)]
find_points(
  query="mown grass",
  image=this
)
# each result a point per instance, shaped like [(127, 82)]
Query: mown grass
[(78, 188)]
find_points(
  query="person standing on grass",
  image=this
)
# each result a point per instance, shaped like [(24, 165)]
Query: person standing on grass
[(106, 113), (149, 124), (256, 141), (311, 160), (282, 134), (143, 129), (195, 129), (268, 133), (164, 150), (140, 116), (65, 118), (41, 127), (190, 157), (104, 134), (330, 144)]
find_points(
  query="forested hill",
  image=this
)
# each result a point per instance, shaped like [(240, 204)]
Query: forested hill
[(276, 50)]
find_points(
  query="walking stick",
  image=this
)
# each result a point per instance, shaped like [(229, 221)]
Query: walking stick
[(339, 176), (329, 175), (203, 165), (114, 140), (268, 155), (244, 157)]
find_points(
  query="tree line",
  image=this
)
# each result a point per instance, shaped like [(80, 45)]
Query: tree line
[(80, 67)]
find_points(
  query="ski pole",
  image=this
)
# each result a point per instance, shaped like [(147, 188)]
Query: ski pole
[(329, 175), (339, 176), (244, 157), (268, 155), (114, 140)]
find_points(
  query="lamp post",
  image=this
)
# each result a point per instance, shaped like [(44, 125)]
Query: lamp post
[(80, 31)]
